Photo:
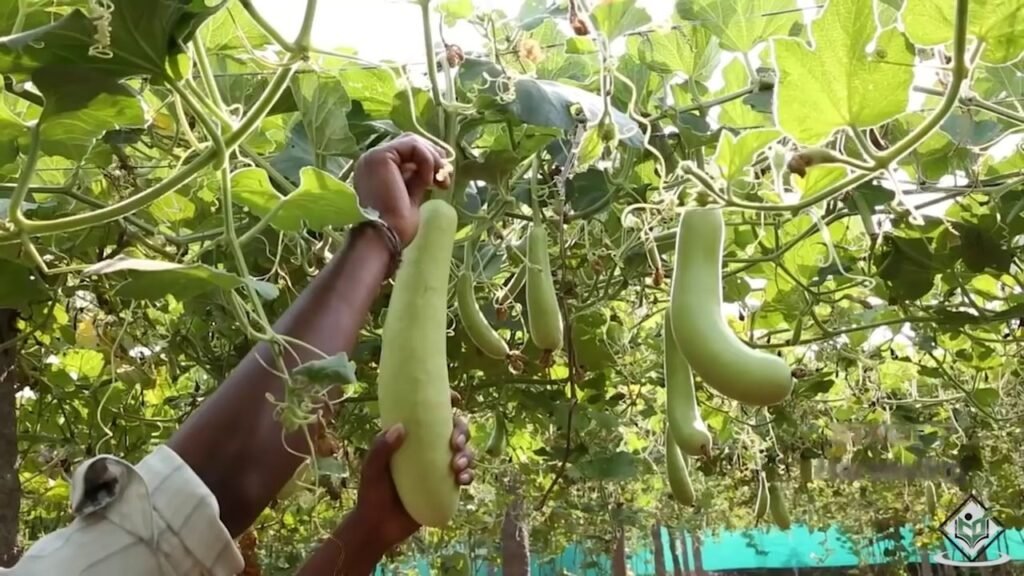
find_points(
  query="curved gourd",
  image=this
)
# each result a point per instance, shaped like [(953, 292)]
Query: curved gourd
[(761, 506), (413, 388), (684, 420), (473, 320), (496, 443), (714, 352)]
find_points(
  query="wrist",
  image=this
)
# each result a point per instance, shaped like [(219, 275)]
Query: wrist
[(364, 533), (382, 238)]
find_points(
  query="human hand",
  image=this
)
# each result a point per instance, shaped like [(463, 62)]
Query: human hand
[(393, 179), (378, 505)]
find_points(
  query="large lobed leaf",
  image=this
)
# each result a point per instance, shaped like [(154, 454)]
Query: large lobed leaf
[(836, 83)]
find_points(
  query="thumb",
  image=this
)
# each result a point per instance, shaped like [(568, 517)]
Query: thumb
[(384, 447)]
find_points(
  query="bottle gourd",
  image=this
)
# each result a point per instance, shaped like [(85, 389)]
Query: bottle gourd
[(545, 317), (413, 388), (678, 475), (684, 420), (714, 352), (475, 323)]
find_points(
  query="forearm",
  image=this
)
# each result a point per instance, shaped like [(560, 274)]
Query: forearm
[(349, 552), (233, 442)]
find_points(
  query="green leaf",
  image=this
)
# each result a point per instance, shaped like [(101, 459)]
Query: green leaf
[(320, 201), (455, 10), (73, 121), (986, 397), (818, 178), (80, 363), (686, 49), (997, 23), (580, 45), (735, 155), (982, 250), (966, 130), (173, 208), (328, 372), (619, 466), (153, 280), (20, 285), (547, 103), (613, 18), (142, 36), (838, 84), (233, 29), (907, 268), (737, 113), (323, 107), (741, 25)]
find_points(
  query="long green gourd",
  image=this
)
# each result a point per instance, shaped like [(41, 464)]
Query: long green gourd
[(684, 420), (412, 383), (544, 315), (713, 350), (777, 505)]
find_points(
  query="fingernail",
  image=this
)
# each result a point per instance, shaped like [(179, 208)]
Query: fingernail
[(394, 432), (465, 478), (460, 441), (462, 462)]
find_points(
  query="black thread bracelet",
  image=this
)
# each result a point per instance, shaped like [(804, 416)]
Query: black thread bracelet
[(390, 236)]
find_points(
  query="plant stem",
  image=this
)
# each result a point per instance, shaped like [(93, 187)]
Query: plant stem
[(975, 102), (266, 26), (428, 46), (28, 169), (206, 72), (172, 183)]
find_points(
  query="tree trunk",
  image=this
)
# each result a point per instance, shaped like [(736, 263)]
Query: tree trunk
[(10, 484), (926, 563), (698, 561), (619, 556), (673, 548), (659, 550), (515, 541)]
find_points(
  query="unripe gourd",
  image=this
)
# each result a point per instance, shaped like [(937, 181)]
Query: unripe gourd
[(412, 383), (761, 505), (496, 443), (713, 350), (777, 505), (545, 317), (678, 475), (475, 323), (684, 420)]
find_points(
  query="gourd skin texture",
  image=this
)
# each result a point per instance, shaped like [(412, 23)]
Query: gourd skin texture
[(930, 498), (479, 330), (684, 420), (541, 301), (413, 388), (714, 352), (777, 505), (678, 475), (806, 471)]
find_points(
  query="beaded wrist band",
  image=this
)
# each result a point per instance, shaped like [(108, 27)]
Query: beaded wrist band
[(390, 236)]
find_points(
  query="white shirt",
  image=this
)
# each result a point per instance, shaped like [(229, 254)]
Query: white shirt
[(154, 519)]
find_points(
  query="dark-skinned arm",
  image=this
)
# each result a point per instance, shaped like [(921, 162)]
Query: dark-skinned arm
[(233, 441)]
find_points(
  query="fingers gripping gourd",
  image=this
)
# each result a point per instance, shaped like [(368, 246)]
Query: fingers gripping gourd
[(714, 352), (777, 505), (413, 387), (473, 320), (684, 420), (678, 475), (545, 317)]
